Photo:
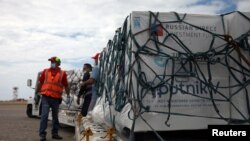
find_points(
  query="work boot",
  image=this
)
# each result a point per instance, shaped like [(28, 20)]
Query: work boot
[(57, 137), (43, 139)]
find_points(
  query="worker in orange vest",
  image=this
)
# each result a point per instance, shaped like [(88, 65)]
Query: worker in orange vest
[(50, 86)]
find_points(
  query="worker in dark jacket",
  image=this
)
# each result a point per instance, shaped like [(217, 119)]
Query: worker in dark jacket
[(85, 91)]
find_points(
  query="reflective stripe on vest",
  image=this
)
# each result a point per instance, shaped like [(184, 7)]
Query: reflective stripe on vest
[(52, 85)]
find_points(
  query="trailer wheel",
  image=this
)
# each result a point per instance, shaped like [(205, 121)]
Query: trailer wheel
[(29, 111)]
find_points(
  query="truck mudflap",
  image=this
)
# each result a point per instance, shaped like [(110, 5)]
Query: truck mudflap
[(87, 130)]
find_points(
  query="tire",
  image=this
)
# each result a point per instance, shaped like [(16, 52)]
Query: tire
[(29, 111)]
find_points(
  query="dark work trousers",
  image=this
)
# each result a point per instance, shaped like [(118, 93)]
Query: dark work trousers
[(47, 103), (85, 105)]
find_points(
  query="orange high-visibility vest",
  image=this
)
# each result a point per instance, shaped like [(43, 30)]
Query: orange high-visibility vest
[(52, 85)]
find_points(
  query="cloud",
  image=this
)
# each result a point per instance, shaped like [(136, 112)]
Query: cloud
[(31, 31), (243, 5)]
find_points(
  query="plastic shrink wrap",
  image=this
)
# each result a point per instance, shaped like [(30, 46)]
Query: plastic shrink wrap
[(171, 71)]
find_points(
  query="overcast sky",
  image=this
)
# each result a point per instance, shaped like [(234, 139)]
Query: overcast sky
[(31, 31)]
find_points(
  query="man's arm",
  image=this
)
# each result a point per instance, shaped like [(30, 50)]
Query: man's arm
[(40, 82), (38, 87), (90, 81), (65, 83), (67, 90)]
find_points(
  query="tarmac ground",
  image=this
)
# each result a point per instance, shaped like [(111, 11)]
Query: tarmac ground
[(16, 126)]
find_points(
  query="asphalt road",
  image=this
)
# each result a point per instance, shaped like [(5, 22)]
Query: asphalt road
[(16, 126)]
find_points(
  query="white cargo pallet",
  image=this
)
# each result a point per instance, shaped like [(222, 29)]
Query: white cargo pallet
[(192, 107)]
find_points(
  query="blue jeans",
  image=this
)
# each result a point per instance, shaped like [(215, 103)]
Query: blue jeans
[(47, 103)]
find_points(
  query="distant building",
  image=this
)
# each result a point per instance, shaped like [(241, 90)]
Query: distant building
[(15, 93)]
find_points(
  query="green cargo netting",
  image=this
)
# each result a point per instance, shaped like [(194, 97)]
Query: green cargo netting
[(154, 72)]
